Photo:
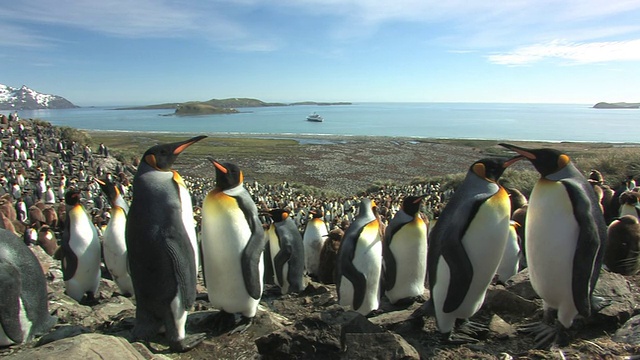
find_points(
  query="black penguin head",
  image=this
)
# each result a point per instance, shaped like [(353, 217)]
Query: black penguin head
[(491, 169), (228, 175), (109, 189), (546, 161), (72, 196), (411, 204), (162, 156), (278, 215), (316, 213)]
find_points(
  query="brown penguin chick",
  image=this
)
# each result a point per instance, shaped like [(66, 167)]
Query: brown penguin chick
[(517, 199), (50, 217), (622, 251), (596, 177), (36, 217), (47, 240), (6, 224), (329, 255), (6, 207)]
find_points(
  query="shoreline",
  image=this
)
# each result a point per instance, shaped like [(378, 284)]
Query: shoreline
[(308, 138)]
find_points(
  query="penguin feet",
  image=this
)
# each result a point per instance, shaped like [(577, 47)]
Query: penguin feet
[(426, 309), (223, 322), (472, 329), (242, 325), (455, 338), (598, 303), (546, 335), (188, 343)]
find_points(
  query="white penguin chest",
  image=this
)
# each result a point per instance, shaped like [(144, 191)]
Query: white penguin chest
[(551, 237)]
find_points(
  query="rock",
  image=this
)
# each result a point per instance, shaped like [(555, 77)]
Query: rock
[(520, 285), (113, 307), (383, 346), (82, 347), (500, 328), (46, 261), (506, 302), (614, 289), (629, 333), (63, 332), (310, 338)]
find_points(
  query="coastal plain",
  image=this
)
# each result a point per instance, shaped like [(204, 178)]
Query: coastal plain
[(349, 165)]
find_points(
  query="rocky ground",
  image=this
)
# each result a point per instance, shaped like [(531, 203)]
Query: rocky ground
[(311, 325)]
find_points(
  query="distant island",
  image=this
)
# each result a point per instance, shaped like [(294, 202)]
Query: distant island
[(618, 105), (221, 106)]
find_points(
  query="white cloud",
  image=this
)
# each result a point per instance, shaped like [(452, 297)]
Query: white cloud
[(573, 53)]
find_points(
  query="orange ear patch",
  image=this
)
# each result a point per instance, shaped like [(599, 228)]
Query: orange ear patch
[(480, 170), (151, 160), (563, 160)]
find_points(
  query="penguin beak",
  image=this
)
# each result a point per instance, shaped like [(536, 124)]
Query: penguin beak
[(522, 151), (185, 144), (419, 199), (219, 166), (100, 182), (512, 161)]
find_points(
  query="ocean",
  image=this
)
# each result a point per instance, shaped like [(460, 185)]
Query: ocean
[(493, 121)]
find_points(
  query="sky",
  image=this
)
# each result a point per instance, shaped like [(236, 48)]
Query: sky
[(123, 52)]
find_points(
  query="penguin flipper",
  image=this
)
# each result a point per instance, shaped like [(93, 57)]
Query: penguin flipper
[(279, 261), (390, 266), (461, 274), (69, 258), (181, 253), (10, 285), (590, 246), (250, 262), (359, 282)]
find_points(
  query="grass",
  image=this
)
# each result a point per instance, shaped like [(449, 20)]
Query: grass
[(614, 161)]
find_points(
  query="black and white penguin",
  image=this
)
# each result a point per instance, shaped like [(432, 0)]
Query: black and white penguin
[(630, 203), (315, 233), (23, 293), (114, 245), (466, 245), (162, 247), (287, 252), (566, 235), (405, 252), (80, 250), (510, 262), (359, 263), (233, 241)]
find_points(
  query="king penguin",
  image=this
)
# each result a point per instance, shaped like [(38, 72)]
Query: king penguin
[(114, 244), (566, 235), (359, 261), (287, 252), (510, 262), (162, 248), (466, 245), (233, 241), (80, 250), (23, 293), (405, 252), (314, 236)]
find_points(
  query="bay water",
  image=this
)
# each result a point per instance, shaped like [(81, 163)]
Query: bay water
[(494, 121)]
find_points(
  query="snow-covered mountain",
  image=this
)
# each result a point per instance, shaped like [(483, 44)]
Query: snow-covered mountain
[(28, 99)]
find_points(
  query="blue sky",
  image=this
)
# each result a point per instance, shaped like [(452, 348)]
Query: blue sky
[(121, 52)]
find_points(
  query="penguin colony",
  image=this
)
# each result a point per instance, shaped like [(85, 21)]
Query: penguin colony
[(484, 231)]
